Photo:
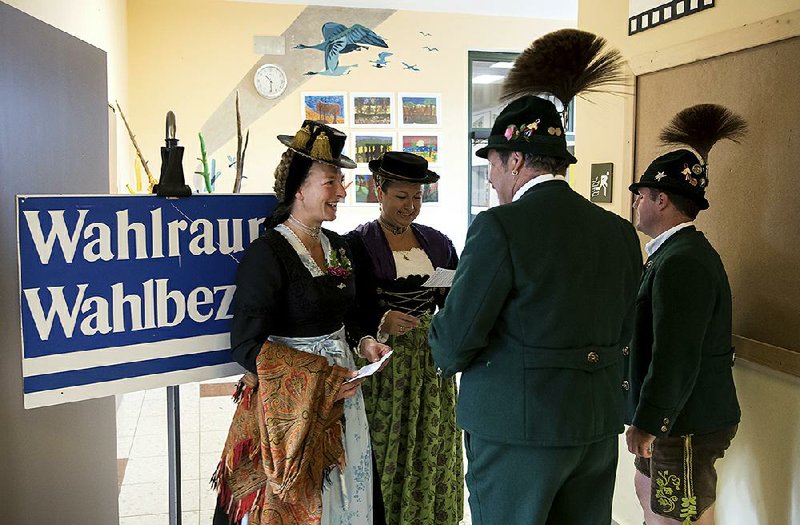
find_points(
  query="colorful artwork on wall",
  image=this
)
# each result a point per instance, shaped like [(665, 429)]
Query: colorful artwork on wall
[(372, 110), (365, 189), (420, 110), (430, 192), (426, 146), (324, 107), (370, 146)]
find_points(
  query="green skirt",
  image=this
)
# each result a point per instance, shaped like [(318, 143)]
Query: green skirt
[(417, 446)]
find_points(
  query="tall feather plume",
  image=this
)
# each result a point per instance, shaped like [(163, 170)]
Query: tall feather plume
[(564, 63), (701, 126)]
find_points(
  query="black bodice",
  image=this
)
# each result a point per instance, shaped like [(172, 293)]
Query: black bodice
[(277, 295), (407, 295)]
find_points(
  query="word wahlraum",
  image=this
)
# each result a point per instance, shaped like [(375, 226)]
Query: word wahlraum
[(225, 236)]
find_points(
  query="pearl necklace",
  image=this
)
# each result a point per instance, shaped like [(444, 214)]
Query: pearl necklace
[(394, 230), (308, 230)]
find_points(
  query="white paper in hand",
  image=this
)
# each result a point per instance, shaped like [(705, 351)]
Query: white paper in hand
[(441, 278), (368, 370)]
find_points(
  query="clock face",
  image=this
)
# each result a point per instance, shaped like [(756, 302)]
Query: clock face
[(270, 81)]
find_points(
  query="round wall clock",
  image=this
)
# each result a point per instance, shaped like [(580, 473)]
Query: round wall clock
[(270, 81)]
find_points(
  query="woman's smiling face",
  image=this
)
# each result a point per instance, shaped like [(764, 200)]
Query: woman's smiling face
[(400, 202), (319, 195)]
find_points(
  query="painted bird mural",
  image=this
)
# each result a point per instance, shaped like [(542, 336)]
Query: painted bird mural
[(430, 48), (381, 62), (337, 72), (340, 39), (411, 67)]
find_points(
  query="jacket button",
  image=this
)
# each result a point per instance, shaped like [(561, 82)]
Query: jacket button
[(666, 421), (648, 264), (664, 428), (593, 357), (626, 350), (488, 363), (626, 385)]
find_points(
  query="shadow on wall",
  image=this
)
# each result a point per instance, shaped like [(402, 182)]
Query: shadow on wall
[(759, 477)]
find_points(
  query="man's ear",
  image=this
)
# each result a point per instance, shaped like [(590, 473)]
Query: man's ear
[(517, 160), (662, 201)]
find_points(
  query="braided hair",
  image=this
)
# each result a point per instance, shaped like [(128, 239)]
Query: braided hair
[(291, 172)]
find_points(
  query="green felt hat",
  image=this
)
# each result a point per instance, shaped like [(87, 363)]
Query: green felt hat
[(530, 124), (681, 172)]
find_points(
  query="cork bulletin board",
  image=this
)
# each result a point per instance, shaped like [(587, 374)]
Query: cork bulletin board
[(754, 187)]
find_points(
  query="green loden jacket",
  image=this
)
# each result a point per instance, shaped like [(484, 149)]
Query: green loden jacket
[(540, 311), (681, 357)]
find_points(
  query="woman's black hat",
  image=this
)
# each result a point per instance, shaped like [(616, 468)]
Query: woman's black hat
[(319, 142), (403, 166)]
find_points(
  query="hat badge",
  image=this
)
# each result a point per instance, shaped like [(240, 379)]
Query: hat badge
[(660, 175)]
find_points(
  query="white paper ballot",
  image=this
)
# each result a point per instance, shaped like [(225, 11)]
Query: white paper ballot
[(441, 278), (368, 370)]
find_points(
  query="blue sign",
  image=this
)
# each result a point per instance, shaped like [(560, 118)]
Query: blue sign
[(122, 293)]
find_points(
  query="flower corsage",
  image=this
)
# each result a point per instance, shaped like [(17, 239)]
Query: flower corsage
[(339, 265)]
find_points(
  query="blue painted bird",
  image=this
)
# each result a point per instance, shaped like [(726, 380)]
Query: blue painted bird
[(412, 67), (339, 71), (339, 39), (381, 62)]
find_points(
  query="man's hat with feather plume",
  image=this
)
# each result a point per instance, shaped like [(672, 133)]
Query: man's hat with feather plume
[(563, 64), (692, 132)]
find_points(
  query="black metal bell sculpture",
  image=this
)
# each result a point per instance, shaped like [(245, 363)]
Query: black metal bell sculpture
[(172, 182)]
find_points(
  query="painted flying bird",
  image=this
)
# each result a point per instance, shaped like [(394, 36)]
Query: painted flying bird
[(341, 39), (423, 33), (339, 71), (381, 62), (430, 48), (412, 67)]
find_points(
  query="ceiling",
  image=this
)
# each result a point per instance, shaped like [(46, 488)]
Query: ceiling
[(553, 9)]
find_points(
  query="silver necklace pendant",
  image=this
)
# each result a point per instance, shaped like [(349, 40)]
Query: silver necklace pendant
[(308, 230)]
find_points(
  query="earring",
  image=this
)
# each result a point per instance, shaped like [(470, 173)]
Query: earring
[(514, 172)]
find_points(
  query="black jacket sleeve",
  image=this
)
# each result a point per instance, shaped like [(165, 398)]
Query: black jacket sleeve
[(259, 281)]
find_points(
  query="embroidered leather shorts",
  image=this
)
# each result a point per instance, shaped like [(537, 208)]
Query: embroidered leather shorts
[(683, 480)]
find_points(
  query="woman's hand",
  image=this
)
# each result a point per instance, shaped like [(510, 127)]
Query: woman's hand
[(397, 323), (349, 389), (372, 350)]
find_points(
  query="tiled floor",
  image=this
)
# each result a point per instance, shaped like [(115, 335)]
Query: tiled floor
[(206, 411), (142, 452)]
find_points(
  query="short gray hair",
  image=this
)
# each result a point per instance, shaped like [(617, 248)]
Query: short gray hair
[(543, 163)]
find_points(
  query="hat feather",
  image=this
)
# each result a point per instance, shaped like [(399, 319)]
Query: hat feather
[(564, 63), (701, 126)]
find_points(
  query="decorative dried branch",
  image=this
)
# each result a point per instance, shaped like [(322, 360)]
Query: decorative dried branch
[(237, 183), (151, 181)]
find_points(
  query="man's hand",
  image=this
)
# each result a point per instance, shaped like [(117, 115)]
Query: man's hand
[(640, 442)]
